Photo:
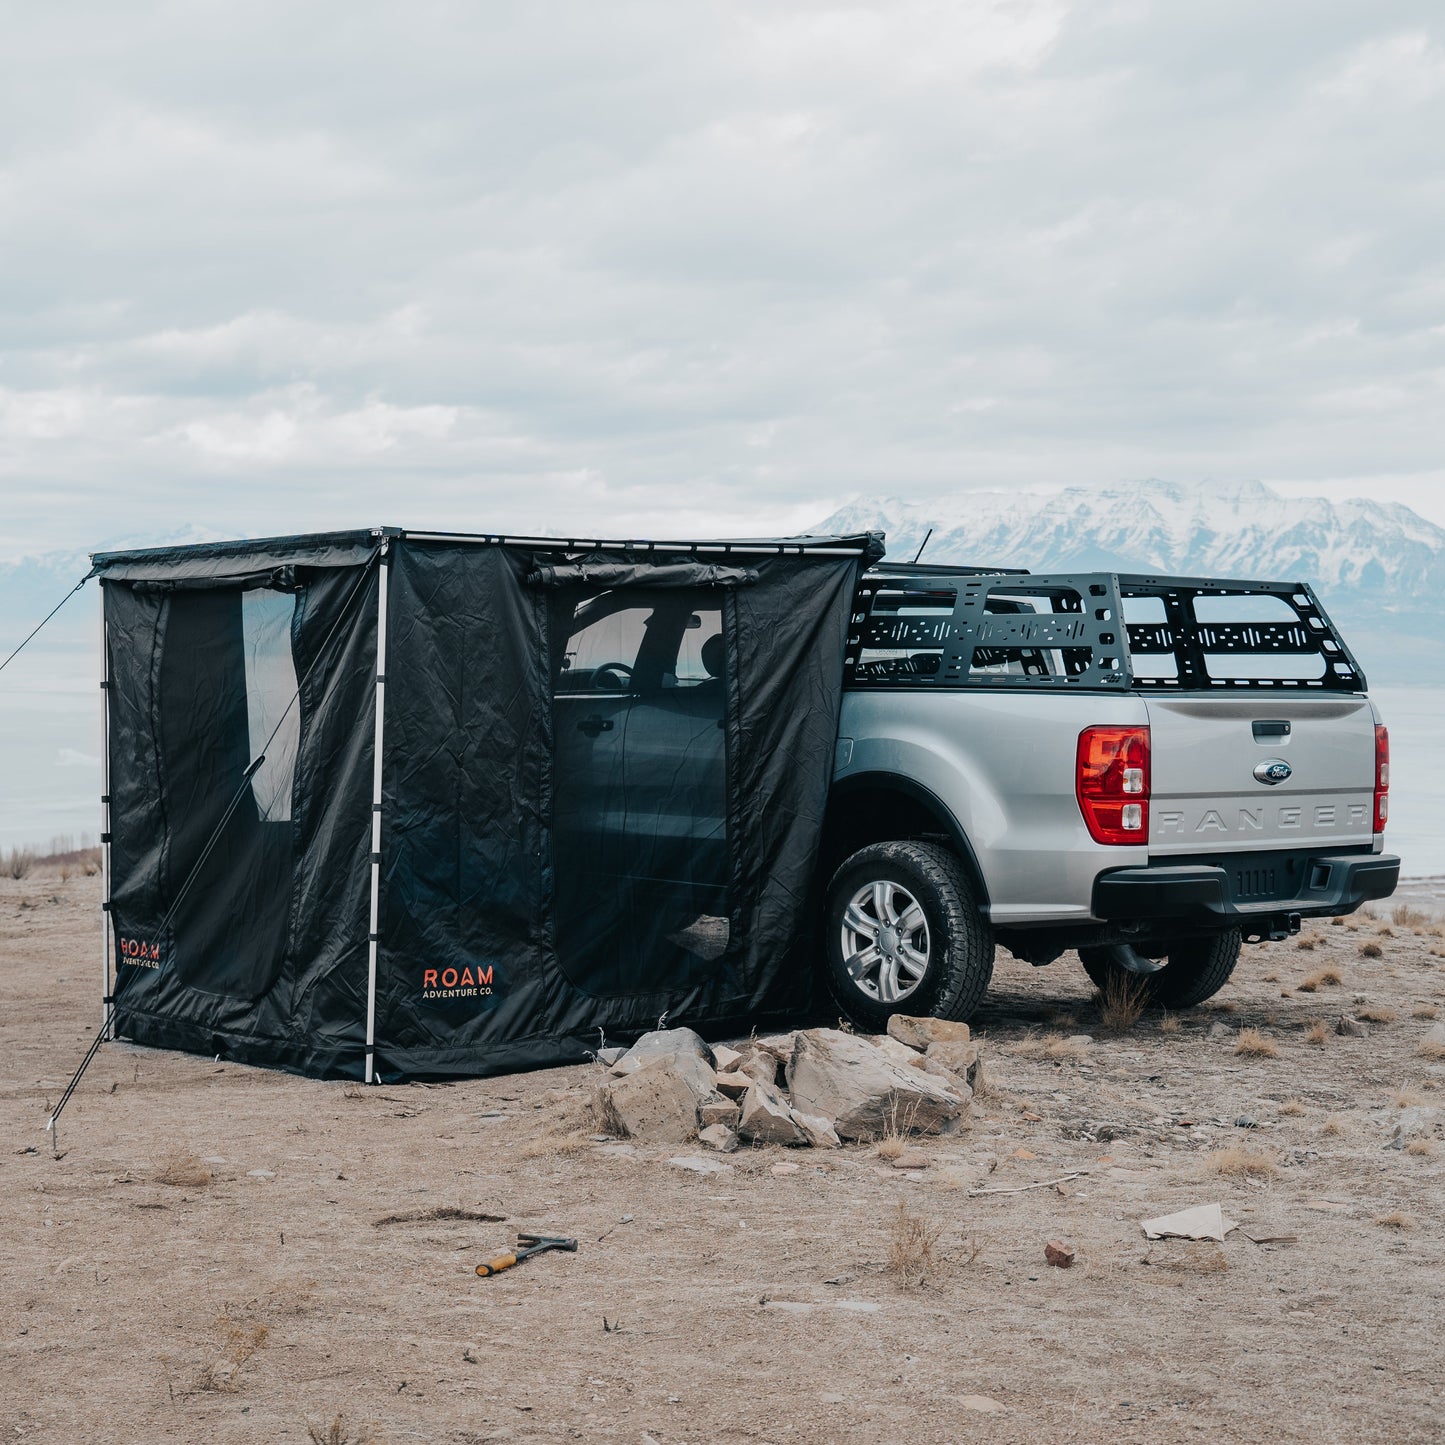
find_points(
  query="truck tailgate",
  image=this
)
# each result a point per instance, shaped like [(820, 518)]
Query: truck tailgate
[(1214, 788)]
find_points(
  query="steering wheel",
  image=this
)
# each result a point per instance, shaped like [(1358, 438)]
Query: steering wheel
[(612, 677)]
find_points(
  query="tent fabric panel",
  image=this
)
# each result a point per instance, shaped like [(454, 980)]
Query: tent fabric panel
[(465, 878), (238, 560), (261, 954), (468, 805), (787, 638)]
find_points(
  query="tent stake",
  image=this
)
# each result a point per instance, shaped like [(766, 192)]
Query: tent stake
[(371, 947)]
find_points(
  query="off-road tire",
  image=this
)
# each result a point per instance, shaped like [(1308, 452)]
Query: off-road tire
[(1195, 969), (960, 958)]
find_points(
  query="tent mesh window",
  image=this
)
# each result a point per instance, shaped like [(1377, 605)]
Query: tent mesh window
[(640, 787), (227, 682)]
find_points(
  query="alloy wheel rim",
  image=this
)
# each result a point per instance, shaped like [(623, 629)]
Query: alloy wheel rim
[(885, 940)]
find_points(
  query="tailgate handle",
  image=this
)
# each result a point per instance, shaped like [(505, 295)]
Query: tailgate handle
[(1269, 730)]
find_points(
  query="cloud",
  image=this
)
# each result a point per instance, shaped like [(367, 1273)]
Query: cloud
[(658, 268)]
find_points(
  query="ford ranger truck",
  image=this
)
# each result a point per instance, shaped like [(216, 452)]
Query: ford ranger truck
[(1150, 771)]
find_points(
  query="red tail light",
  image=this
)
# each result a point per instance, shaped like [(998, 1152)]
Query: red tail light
[(1112, 781), (1382, 777)]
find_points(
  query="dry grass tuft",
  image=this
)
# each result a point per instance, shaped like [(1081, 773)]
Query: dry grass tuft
[(1121, 1002), (1408, 917), (1292, 1107), (1050, 1046), (183, 1169), (1306, 945), (1407, 1098), (1236, 1163), (1384, 931), (1188, 1257), (1168, 1024), (1222, 1006), (1317, 1032), (891, 1147), (1334, 1126), (1420, 1148), (1396, 1220), (1430, 1049), (339, 1433), (1325, 978), (1376, 1014), (1251, 1044), (1371, 950), (18, 862), (553, 1146), (912, 1249), (240, 1339), (1424, 1011), (1337, 923)]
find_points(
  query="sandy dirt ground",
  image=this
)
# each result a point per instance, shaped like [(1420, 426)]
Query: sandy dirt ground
[(225, 1254)]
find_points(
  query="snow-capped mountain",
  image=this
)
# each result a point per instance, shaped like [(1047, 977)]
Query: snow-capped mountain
[(1353, 552), (1378, 567)]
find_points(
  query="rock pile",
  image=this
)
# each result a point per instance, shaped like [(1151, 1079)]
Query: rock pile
[(814, 1087)]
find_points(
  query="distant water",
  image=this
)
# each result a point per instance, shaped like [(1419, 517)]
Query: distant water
[(50, 765), (1416, 719)]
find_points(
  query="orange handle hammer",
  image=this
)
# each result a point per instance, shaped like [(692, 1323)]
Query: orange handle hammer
[(528, 1245)]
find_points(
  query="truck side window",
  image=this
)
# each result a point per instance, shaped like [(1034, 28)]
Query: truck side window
[(700, 652), (601, 655)]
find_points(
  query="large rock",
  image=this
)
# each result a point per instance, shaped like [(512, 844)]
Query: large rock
[(817, 1131), (658, 1101), (918, 1033), (865, 1093), (760, 1064), (962, 1086), (900, 1053), (734, 1085), (718, 1111), (683, 1045), (957, 1057), (766, 1117), (780, 1046), (719, 1137)]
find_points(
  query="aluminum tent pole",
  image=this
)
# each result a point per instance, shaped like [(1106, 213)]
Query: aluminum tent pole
[(372, 942), (106, 952)]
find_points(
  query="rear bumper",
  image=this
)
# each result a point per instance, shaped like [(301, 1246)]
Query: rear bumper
[(1251, 890)]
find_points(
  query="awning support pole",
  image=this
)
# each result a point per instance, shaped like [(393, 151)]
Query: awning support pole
[(106, 953), (371, 946)]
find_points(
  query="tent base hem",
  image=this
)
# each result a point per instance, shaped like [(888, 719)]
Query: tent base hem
[(399, 1066), (311, 1060)]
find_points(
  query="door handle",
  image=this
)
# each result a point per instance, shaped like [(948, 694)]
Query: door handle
[(594, 725)]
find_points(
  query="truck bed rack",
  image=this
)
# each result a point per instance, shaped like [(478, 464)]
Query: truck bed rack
[(918, 626)]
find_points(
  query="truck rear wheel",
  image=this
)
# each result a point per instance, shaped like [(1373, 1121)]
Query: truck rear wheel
[(1195, 969), (903, 934)]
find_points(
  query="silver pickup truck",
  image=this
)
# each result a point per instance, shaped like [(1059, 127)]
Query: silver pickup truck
[(1148, 770)]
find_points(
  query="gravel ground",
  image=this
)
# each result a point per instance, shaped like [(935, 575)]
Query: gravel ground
[(221, 1253)]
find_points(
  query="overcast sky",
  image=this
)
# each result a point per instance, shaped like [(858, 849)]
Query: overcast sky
[(665, 267)]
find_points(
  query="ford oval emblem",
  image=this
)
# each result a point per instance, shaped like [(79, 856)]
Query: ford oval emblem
[(1272, 771)]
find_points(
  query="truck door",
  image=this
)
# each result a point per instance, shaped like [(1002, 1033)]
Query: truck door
[(593, 688)]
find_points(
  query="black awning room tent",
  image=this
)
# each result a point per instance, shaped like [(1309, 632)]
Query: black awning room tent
[(387, 804)]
